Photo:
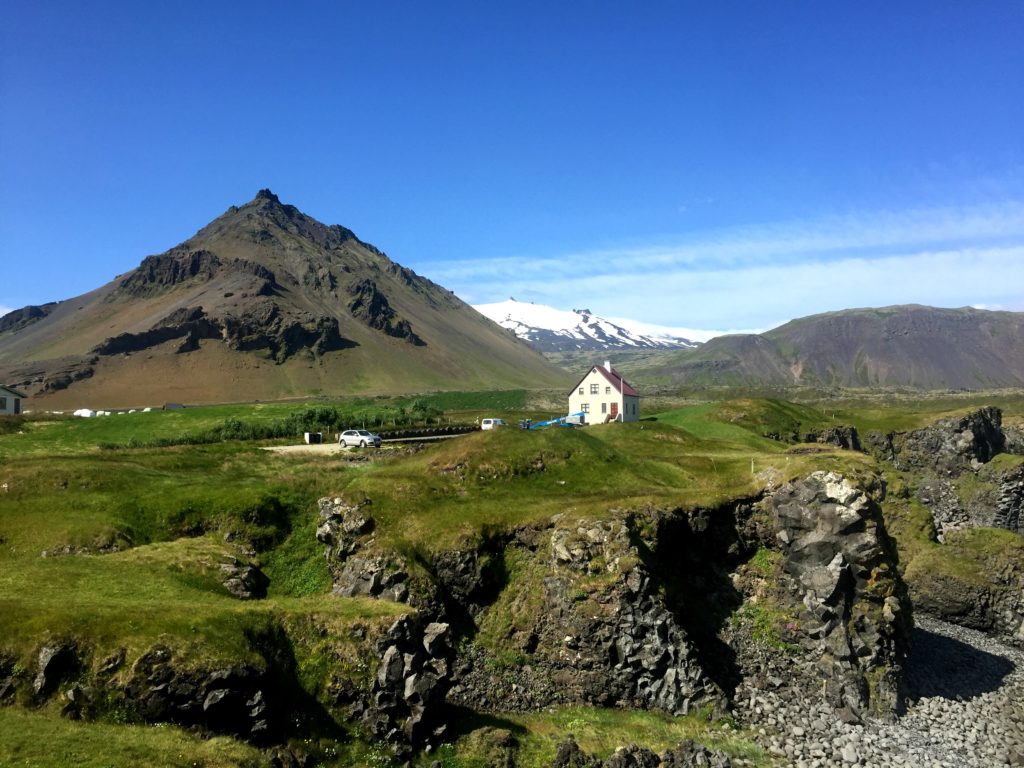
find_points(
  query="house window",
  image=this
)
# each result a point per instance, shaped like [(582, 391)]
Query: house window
[(607, 390), (3, 403), (17, 406), (594, 388), (604, 407), (585, 408), (581, 390)]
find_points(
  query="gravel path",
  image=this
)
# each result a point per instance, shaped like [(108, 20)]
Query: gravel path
[(965, 710)]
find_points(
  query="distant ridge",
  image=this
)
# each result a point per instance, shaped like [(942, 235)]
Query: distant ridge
[(263, 302), (899, 346), (547, 329)]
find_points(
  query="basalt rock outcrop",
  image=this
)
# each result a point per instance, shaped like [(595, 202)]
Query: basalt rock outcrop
[(20, 318), (243, 580), (160, 273), (940, 456), (1000, 502), (357, 565), (53, 376), (158, 687), (948, 447), (371, 306), (630, 609), (55, 664), (406, 705), (235, 699), (600, 631), (844, 437), (688, 754), (856, 614), (263, 327), (941, 498), (621, 645)]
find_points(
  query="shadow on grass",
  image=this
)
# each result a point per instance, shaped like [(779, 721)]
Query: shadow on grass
[(463, 721)]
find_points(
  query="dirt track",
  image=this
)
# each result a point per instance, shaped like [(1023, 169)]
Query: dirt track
[(321, 448)]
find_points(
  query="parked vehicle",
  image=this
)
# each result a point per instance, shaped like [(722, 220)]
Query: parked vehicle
[(491, 423), (359, 437)]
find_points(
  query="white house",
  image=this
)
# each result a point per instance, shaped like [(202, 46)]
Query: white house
[(10, 401), (603, 395)]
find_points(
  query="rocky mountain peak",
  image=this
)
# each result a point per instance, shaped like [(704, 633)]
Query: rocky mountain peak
[(261, 282)]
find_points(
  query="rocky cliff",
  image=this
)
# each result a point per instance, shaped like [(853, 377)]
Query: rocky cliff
[(648, 608), (969, 572)]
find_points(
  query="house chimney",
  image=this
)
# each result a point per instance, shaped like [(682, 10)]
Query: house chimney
[(608, 365)]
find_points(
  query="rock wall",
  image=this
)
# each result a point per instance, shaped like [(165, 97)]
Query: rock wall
[(844, 437), (405, 707), (943, 454), (631, 609), (159, 686), (856, 616), (1009, 503), (948, 447), (157, 274), (357, 565)]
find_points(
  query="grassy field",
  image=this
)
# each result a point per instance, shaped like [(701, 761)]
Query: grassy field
[(43, 434), (113, 539)]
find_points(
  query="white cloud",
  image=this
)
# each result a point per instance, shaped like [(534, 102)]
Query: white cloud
[(759, 277)]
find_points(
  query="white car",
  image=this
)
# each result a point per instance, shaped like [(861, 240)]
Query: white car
[(359, 437), (491, 423)]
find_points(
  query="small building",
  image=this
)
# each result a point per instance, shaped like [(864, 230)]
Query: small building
[(10, 401), (603, 395)]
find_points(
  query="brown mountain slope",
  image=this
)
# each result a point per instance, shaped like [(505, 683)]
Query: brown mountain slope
[(264, 302), (901, 346)]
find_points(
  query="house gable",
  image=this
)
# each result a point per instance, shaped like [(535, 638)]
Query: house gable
[(613, 377), (604, 395)]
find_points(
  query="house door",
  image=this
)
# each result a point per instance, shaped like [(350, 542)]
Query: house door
[(615, 411), (17, 406)]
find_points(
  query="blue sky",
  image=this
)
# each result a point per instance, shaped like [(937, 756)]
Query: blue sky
[(709, 165)]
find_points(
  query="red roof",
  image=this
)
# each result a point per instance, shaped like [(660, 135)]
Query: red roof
[(614, 378)]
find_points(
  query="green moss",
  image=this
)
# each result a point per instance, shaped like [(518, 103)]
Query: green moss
[(516, 608), (765, 562)]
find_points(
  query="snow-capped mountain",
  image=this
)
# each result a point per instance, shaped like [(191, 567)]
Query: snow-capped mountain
[(547, 329)]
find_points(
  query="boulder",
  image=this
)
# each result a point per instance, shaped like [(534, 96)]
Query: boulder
[(244, 580)]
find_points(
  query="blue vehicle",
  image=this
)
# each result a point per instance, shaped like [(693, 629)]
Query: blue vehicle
[(572, 420)]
